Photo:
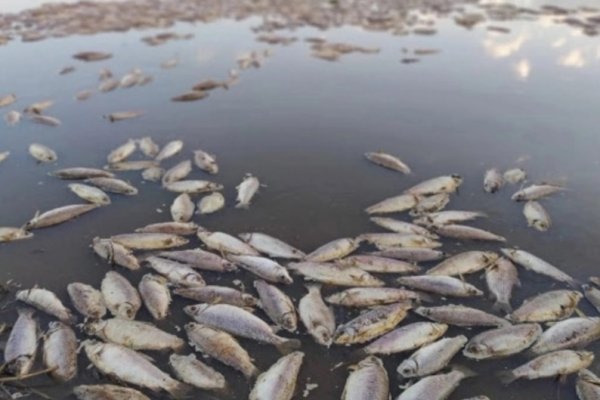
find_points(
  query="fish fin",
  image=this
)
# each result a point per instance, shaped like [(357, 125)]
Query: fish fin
[(502, 307), (506, 377), (179, 390), (286, 346)]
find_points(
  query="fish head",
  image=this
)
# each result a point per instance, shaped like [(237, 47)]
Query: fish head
[(20, 365), (284, 277), (422, 311), (193, 279), (289, 322), (93, 328), (248, 300), (476, 349), (457, 178), (586, 357), (194, 309), (408, 368), (323, 335), (490, 256), (126, 311)]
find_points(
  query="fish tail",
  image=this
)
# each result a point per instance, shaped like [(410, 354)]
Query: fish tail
[(252, 373), (507, 377), (286, 346), (466, 372), (502, 306), (179, 390)]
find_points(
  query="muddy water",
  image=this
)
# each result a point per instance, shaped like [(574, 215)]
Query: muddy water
[(528, 98)]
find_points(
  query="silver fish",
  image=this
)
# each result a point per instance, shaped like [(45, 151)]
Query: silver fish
[(535, 192), (537, 265), (115, 253), (449, 217), (194, 372), (431, 358), (175, 272), (493, 180), (380, 265), (335, 274), (59, 215), (387, 240), (46, 301), (120, 297), (9, 234), (217, 294), (558, 363), (182, 208), (411, 254), (90, 193), (588, 385), (438, 386), (178, 172), (367, 380), (388, 161), (466, 232), (45, 120), (316, 316), (81, 173), (502, 342), (247, 190), (171, 227), (113, 185), (459, 315), (136, 335), (108, 85), (368, 297), (537, 216), (21, 347), (169, 150), (464, 263), (569, 333), (148, 147), (200, 259), (60, 351), (12, 118), (155, 295), (149, 241), (501, 278), (403, 202), (263, 267), (7, 99), (211, 203), (87, 300), (441, 184), (83, 95), (106, 391), (122, 152), (193, 186), (429, 204), (271, 246), (515, 175), (440, 284), (136, 165), (592, 295), (225, 243), (42, 153), (371, 324), (550, 306), (153, 174), (279, 381), (130, 79), (402, 227), (406, 338), (123, 115), (333, 250), (206, 161), (277, 305)]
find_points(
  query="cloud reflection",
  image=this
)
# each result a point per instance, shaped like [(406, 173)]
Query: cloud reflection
[(573, 59), (504, 49), (523, 69)]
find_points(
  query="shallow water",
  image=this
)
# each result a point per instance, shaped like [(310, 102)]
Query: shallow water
[(528, 98)]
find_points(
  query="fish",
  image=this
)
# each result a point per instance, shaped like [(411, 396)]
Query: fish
[(129, 366), (193, 186), (83, 95), (387, 240), (136, 335), (92, 56), (587, 385), (39, 107), (438, 386), (558, 363), (155, 295), (217, 294), (333, 274), (178, 172), (182, 208), (466, 232), (371, 324), (568, 333), (440, 184), (441, 285), (148, 147), (263, 267), (225, 243), (515, 175), (153, 174), (271, 246), (108, 85), (536, 192), (502, 342), (411, 254), (206, 161), (106, 391), (537, 265), (209, 84), (87, 300), (220, 346), (115, 253), (448, 217), (120, 297), (549, 306), (429, 204), (501, 277), (175, 272), (333, 250), (459, 315), (592, 295), (131, 79), (316, 316), (7, 99), (42, 153), (149, 241), (247, 190), (279, 381), (493, 180), (431, 358), (374, 296), (21, 347), (12, 118), (90, 193), (194, 372), (46, 120), (60, 351), (388, 161), (81, 173), (122, 152), (200, 259), (123, 115), (192, 95), (406, 338), (379, 265), (537, 216), (113, 185), (170, 63), (277, 305), (464, 263), (238, 322), (46, 301), (4, 155), (169, 150), (402, 227), (211, 203), (171, 227), (396, 204), (9, 234), (367, 380)]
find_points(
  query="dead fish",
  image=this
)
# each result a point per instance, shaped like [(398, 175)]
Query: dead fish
[(558, 363), (550, 306), (239, 322), (464, 263), (406, 338), (92, 56), (537, 265), (402, 227), (221, 346), (194, 372), (132, 367), (367, 380), (569, 333), (7, 99), (403, 202), (537, 216), (39, 107), (108, 85), (12, 118), (153, 174), (217, 294), (66, 70), (440, 284), (182, 208), (169, 150), (466, 232), (87, 300), (81, 173), (501, 278), (225, 243), (171, 227), (21, 347), (279, 381), (193, 186), (493, 180), (448, 217), (316, 316), (115, 253), (588, 385), (388, 240), (106, 391), (60, 351), (411, 254), (502, 342), (371, 324), (206, 161), (45, 120), (200, 259), (131, 79), (4, 155), (592, 295), (271, 246), (380, 265), (333, 250), (209, 84), (113, 185), (335, 274), (175, 272), (515, 175), (459, 315), (438, 386), (120, 297), (83, 95), (368, 297), (136, 335), (388, 161), (441, 184), (90, 193), (535, 192), (277, 305), (431, 358), (148, 147), (211, 203), (46, 301), (178, 172), (246, 191), (263, 267), (58, 215), (133, 166), (170, 63), (429, 204), (9, 234), (155, 295), (122, 152), (123, 115), (192, 95)]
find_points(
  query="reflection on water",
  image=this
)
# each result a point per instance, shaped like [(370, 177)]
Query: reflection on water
[(525, 95)]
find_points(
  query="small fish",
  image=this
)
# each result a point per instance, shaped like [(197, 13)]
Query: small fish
[(371, 324), (550, 306), (569, 333), (459, 315), (7, 99), (588, 385), (134, 166), (501, 278), (106, 391), (271, 246), (194, 372), (388, 161), (90, 193), (206, 161), (217, 294), (153, 174), (333, 250), (200, 259), (537, 265), (438, 386), (192, 95), (131, 79), (411, 254), (388, 240), (83, 95), (430, 204), (12, 118), (92, 56), (59, 215), (182, 208), (193, 186), (558, 363), (45, 120), (4, 155), (368, 297), (108, 85), (441, 285), (169, 150), (493, 180), (515, 175), (279, 381), (535, 192), (246, 191), (136, 335), (448, 217), (431, 358), (263, 267), (87, 300), (464, 263), (148, 147), (171, 227), (120, 297), (46, 301), (380, 265), (406, 338), (177, 273), (113, 185), (502, 342), (39, 107), (335, 274), (9, 234), (122, 152), (277, 305), (115, 253), (466, 232), (155, 295), (396, 204), (367, 380), (21, 347), (77, 173), (209, 84), (178, 172), (225, 243), (537, 216), (402, 227), (592, 295), (60, 351), (316, 316), (123, 115), (211, 203), (441, 184)]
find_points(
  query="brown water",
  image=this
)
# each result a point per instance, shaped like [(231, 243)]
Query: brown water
[(529, 98)]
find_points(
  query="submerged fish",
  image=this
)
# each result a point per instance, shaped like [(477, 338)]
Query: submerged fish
[(113, 185), (12, 118), (123, 115), (81, 173), (588, 385), (45, 120), (515, 175), (7, 99), (92, 56), (148, 147)]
